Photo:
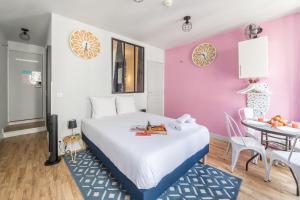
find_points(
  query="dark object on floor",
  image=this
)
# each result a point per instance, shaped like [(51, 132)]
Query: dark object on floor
[(53, 147)]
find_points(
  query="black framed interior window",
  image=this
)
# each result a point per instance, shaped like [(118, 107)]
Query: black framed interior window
[(127, 67)]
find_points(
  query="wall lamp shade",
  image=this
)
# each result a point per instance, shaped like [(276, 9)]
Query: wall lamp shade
[(72, 124), (253, 58)]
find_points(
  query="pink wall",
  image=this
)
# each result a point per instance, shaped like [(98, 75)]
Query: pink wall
[(206, 93)]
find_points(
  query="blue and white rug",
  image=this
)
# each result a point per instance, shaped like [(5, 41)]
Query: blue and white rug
[(200, 182)]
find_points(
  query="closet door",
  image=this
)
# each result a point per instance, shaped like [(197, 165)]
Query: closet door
[(155, 87)]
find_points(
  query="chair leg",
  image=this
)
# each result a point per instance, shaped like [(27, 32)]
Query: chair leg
[(234, 158), (269, 169), (227, 150), (264, 159)]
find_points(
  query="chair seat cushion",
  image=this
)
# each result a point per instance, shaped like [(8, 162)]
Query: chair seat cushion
[(249, 141)]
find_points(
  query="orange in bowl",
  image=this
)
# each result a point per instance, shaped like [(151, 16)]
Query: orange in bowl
[(274, 123), (295, 124), (260, 119)]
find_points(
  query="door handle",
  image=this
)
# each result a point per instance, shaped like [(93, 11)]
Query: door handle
[(38, 84)]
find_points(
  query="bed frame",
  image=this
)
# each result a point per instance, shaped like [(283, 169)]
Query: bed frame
[(152, 193)]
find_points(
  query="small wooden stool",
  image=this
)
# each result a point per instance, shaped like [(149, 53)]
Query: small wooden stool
[(70, 141)]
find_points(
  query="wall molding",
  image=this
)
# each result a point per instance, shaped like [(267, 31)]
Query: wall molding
[(23, 132), (218, 136), (26, 121)]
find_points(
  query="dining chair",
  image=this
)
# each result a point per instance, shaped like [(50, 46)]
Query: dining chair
[(246, 113), (291, 159), (239, 143)]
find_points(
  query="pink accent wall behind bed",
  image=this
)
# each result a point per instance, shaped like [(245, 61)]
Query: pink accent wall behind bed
[(206, 93)]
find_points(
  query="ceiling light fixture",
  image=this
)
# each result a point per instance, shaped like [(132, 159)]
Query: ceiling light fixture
[(168, 3), (187, 25), (24, 34), (138, 1)]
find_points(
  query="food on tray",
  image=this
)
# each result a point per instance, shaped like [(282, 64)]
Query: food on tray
[(149, 129), (278, 120), (144, 133), (161, 129)]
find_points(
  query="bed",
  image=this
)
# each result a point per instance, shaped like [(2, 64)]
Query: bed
[(145, 165)]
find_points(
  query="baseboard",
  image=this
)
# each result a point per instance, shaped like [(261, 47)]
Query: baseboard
[(26, 121), (218, 136), (23, 132)]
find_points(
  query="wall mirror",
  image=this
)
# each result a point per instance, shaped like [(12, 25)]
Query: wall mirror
[(127, 67)]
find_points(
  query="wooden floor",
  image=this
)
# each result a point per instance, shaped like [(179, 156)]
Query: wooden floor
[(24, 176)]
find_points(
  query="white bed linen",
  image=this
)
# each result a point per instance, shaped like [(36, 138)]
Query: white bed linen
[(145, 160)]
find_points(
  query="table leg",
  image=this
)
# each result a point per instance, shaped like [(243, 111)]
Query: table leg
[(253, 157), (295, 181)]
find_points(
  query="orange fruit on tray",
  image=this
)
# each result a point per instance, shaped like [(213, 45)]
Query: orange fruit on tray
[(260, 119), (274, 123), (295, 125), (278, 120)]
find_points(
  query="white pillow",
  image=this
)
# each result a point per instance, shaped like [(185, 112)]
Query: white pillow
[(125, 104), (103, 106)]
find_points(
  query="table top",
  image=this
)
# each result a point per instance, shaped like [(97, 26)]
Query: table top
[(267, 128), (71, 139)]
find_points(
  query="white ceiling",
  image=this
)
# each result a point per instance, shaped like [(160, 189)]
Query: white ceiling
[(149, 21)]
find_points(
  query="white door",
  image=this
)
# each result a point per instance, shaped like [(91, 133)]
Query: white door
[(155, 84), (25, 86)]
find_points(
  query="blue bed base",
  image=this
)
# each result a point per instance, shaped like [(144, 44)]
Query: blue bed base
[(152, 193)]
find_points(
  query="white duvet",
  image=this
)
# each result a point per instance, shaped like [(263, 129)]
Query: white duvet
[(145, 160)]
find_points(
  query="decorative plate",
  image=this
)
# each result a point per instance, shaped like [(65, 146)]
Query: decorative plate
[(204, 54), (85, 44)]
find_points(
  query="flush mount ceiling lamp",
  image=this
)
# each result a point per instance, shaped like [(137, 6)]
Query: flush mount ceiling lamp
[(252, 31), (138, 1), (187, 25), (24, 35), (168, 3)]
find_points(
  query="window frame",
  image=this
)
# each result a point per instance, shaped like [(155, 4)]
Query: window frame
[(135, 66)]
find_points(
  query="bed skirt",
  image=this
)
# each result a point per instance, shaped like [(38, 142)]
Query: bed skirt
[(152, 193)]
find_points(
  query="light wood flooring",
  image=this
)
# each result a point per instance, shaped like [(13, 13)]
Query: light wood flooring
[(24, 176)]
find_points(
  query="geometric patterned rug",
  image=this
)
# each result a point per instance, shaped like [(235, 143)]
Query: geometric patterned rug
[(200, 182)]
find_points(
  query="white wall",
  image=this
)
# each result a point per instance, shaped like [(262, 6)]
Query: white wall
[(74, 80), (3, 81)]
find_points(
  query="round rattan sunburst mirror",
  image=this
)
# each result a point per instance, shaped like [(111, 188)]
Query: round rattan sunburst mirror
[(204, 54), (85, 44)]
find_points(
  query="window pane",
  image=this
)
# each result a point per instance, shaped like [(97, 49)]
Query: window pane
[(118, 66), (129, 68)]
